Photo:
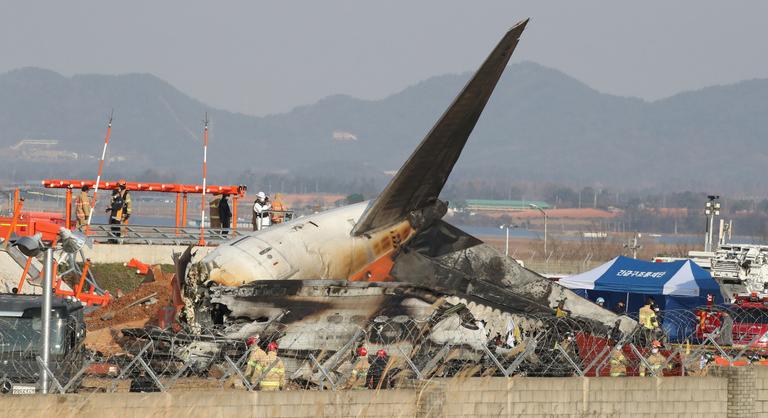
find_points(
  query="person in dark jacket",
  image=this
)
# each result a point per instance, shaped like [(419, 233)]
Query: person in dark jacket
[(225, 214)]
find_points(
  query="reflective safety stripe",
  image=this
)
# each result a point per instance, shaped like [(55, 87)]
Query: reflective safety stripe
[(253, 363), (269, 383)]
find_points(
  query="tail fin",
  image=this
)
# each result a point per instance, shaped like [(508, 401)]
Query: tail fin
[(419, 181)]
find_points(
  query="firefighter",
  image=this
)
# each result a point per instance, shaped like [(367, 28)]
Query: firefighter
[(656, 360), (600, 302), (360, 366), (213, 212), (274, 369), (261, 207), (256, 358), (277, 216), (375, 376), (83, 206), (225, 214), (648, 320), (119, 209), (647, 315), (618, 362), (560, 311)]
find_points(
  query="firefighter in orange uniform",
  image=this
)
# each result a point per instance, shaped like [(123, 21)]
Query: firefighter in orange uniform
[(83, 207), (275, 376), (277, 216)]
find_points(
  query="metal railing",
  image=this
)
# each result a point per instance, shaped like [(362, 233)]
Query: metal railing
[(165, 235)]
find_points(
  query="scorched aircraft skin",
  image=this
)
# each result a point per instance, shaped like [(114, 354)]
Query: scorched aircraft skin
[(387, 258)]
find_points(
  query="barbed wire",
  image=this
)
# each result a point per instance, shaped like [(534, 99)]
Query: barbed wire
[(322, 355)]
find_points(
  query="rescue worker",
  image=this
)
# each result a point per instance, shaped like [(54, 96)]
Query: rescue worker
[(119, 209), (261, 207), (274, 369), (648, 320), (656, 360), (225, 214), (277, 215), (376, 371), (618, 362), (213, 212), (83, 207), (560, 311), (600, 302), (360, 366), (256, 358), (646, 315), (620, 308)]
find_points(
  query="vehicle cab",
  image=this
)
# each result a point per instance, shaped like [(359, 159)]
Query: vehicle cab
[(21, 336)]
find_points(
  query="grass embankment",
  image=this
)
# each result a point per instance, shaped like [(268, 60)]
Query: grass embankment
[(113, 276)]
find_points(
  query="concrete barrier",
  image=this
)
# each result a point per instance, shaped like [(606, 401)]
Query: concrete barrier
[(572, 396), (150, 254)]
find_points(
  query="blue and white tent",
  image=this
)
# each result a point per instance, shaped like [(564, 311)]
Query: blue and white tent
[(679, 285), (676, 285)]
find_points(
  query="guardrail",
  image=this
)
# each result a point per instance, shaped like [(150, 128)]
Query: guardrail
[(163, 235)]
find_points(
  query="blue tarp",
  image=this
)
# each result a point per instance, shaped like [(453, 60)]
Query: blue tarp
[(674, 286)]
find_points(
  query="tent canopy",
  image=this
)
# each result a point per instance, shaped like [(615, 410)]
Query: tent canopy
[(628, 275)]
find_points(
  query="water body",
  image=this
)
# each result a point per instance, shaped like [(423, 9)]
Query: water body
[(478, 231)]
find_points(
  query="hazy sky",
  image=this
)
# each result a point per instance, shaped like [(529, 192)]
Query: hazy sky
[(266, 57)]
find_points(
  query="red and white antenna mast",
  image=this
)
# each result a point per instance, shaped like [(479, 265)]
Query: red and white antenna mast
[(98, 176), (205, 171)]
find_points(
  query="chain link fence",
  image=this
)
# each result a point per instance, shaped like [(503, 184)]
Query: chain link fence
[(323, 357)]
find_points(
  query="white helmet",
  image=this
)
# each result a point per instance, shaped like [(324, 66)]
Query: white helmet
[(261, 195), (600, 301)]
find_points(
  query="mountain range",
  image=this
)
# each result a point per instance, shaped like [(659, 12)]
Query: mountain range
[(541, 125)]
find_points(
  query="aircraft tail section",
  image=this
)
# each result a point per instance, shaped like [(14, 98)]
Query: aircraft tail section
[(419, 181)]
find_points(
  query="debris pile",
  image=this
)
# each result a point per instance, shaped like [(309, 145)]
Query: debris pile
[(135, 309)]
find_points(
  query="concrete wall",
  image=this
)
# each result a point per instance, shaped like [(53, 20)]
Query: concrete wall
[(761, 391), (630, 396), (150, 254), (223, 403)]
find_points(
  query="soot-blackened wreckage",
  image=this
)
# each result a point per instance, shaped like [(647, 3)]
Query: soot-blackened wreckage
[(381, 266)]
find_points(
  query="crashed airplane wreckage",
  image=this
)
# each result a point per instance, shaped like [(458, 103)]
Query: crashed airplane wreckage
[(314, 282)]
